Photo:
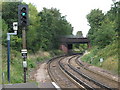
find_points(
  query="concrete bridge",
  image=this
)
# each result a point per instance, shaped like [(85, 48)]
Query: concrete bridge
[(68, 41)]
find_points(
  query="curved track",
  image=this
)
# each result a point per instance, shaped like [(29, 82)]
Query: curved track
[(95, 75), (67, 72), (95, 78), (57, 74)]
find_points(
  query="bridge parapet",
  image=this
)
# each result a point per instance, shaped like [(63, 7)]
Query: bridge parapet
[(74, 40)]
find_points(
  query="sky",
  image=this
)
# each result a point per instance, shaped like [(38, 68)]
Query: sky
[(75, 10)]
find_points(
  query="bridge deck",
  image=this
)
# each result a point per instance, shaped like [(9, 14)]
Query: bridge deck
[(74, 40)]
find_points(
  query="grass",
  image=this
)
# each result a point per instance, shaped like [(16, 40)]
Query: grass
[(0, 72), (0, 64), (16, 67), (111, 63), (109, 55)]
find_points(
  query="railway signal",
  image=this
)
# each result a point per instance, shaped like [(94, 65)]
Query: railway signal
[(23, 15), (23, 23)]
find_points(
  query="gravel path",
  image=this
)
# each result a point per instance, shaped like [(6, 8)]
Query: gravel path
[(41, 74)]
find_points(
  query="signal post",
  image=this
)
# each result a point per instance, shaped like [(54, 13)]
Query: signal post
[(23, 23)]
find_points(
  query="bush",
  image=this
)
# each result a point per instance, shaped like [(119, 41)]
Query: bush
[(109, 54), (56, 52)]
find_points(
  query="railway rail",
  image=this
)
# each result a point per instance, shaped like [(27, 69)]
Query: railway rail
[(58, 76), (113, 83), (67, 72)]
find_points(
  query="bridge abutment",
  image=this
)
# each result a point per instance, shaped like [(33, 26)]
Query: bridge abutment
[(64, 48)]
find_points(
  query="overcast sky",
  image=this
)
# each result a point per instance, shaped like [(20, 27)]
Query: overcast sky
[(75, 10)]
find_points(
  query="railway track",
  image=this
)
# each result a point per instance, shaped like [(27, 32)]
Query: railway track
[(67, 72), (110, 81), (58, 76), (96, 78), (63, 78)]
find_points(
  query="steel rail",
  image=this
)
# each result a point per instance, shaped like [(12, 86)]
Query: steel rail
[(51, 74), (87, 77), (74, 77), (48, 66), (82, 65)]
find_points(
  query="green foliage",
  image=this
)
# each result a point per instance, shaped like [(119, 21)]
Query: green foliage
[(8, 17), (10, 13), (34, 25), (95, 18), (89, 56), (105, 43), (109, 54), (102, 28), (16, 67), (79, 47), (44, 28), (31, 63), (4, 31), (105, 35), (52, 26), (79, 34), (16, 43), (56, 52)]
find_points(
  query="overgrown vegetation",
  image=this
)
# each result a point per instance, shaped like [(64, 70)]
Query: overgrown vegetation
[(110, 59), (16, 68), (104, 37)]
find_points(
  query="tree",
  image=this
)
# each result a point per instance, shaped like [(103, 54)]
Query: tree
[(79, 34), (106, 34), (33, 29), (95, 18), (10, 13), (102, 31), (52, 26)]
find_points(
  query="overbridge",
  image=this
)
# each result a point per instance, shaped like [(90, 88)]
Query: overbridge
[(68, 41)]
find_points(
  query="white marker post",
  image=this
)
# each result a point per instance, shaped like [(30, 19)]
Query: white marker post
[(101, 60)]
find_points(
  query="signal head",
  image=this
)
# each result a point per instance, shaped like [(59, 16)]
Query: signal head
[(23, 15)]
